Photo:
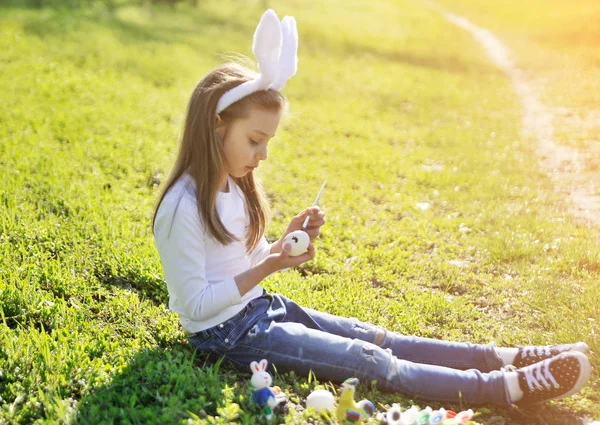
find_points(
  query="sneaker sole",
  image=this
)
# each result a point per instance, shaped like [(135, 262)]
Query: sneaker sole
[(580, 347)]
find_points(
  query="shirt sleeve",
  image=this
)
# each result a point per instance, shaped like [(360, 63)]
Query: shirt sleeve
[(180, 241), (262, 250)]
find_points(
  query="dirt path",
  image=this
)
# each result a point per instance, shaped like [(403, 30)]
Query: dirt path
[(563, 164)]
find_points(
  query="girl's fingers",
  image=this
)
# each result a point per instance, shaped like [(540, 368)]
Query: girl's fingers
[(299, 219), (313, 228), (316, 213), (314, 224), (308, 255), (297, 260), (313, 211), (285, 251), (313, 233), (301, 259), (316, 220), (310, 251)]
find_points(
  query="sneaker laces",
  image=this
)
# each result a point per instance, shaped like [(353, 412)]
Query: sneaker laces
[(536, 351), (539, 372)]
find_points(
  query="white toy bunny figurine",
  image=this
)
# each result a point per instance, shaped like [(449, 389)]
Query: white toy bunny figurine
[(263, 395)]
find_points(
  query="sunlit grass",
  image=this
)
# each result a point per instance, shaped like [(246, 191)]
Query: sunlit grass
[(392, 105), (557, 44)]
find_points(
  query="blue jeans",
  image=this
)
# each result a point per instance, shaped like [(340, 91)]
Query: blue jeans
[(335, 348)]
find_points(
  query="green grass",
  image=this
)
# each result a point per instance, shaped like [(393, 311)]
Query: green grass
[(392, 105), (556, 43)]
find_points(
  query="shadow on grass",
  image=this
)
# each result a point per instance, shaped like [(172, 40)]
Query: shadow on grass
[(188, 24), (158, 386), (143, 284), (542, 415)]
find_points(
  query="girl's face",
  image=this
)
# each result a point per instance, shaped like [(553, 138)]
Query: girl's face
[(245, 140)]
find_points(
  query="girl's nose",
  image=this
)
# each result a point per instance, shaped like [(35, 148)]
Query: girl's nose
[(262, 153)]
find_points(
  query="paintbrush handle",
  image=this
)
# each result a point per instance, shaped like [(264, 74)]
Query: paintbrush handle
[(314, 203)]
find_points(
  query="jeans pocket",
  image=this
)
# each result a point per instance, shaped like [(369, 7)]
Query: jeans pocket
[(230, 331), (233, 330)]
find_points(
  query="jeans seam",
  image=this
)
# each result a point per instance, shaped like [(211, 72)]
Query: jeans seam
[(445, 363), (235, 329)]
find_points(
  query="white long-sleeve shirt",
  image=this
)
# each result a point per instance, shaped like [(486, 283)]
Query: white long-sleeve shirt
[(198, 269)]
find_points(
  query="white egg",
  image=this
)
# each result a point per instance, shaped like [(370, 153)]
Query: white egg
[(299, 240), (320, 400)]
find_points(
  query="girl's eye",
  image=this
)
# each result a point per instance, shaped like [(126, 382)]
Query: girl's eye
[(253, 142)]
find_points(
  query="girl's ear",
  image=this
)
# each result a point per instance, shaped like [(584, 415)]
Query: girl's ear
[(220, 126)]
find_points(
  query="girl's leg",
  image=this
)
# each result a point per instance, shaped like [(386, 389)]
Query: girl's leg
[(291, 346), (275, 329), (457, 355), (290, 339), (265, 329)]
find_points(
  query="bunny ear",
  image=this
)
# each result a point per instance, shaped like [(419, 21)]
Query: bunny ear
[(288, 61), (263, 364), (254, 367), (267, 45), (275, 46)]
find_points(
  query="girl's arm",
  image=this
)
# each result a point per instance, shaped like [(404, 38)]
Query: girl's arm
[(260, 252), (272, 263), (180, 243), (247, 280), (277, 258), (179, 239)]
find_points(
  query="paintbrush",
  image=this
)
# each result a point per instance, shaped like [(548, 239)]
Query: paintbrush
[(314, 203)]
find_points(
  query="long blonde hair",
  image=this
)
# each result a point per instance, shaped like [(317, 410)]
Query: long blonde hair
[(201, 151)]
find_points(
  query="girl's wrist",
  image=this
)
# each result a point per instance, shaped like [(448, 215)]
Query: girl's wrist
[(277, 247), (248, 279), (269, 266)]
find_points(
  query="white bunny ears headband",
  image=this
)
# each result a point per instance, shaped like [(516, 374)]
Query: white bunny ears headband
[(275, 47)]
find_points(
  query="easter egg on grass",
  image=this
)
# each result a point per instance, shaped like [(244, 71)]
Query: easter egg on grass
[(320, 400)]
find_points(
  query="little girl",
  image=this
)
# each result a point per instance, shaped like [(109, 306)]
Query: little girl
[(209, 229)]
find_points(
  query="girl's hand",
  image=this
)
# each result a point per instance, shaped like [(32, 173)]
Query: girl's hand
[(313, 228), (283, 260)]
